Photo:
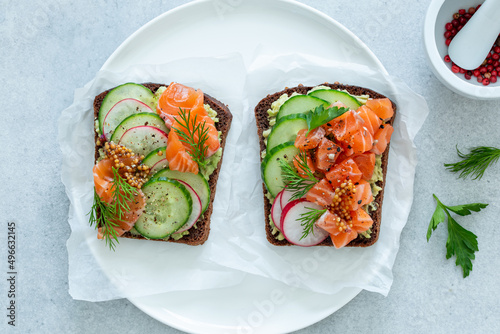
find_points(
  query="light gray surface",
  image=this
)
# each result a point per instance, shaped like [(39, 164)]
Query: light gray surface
[(49, 48)]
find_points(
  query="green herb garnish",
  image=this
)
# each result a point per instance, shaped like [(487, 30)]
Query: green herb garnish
[(461, 242), (106, 215), (297, 184), (319, 116), (196, 136), (308, 219), (475, 162)]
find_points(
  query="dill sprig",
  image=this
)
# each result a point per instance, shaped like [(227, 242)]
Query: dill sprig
[(106, 215), (196, 136), (475, 162), (297, 184), (308, 219)]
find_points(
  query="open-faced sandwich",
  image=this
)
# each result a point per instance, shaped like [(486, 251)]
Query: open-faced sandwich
[(158, 152), (324, 153)]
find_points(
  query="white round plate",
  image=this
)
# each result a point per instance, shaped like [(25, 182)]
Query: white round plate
[(256, 305)]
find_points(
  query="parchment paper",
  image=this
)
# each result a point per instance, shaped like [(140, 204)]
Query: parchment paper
[(237, 245)]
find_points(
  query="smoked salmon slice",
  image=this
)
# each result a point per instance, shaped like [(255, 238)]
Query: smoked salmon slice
[(346, 170), (360, 142), (300, 170), (341, 232), (372, 121), (363, 194), (178, 97), (321, 193), (381, 107), (103, 183), (178, 157), (361, 220), (382, 138), (312, 140), (365, 163), (326, 154), (344, 126)]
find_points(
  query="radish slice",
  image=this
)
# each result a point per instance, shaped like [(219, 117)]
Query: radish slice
[(161, 164), (276, 210), (143, 139), (286, 198), (121, 110), (292, 228), (195, 214)]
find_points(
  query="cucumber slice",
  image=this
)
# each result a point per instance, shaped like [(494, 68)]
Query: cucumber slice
[(168, 208), (134, 120), (156, 160), (300, 104), (144, 139), (332, 96), (196, 181), (128, 90), (195, 213), (271, 170), (121, 110), (285, 130)]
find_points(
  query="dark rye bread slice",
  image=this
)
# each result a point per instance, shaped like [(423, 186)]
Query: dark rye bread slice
[(263, 124), (196, 236)]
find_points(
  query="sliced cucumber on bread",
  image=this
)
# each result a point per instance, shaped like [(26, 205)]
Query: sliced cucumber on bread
[(141, 119), (196, 181), (299, 104), (156, 160), (125, 91), (168, 208), (285, 130), (333, 95), (143, 139), (271, 166)]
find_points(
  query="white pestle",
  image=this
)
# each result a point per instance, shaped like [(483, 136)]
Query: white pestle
[(470, 46)]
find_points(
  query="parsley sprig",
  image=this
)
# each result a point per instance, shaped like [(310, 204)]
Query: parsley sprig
[(106, 215), (475, 162), (461, 242), (195, 134), (319, 116), (297, 184), (308, 219)]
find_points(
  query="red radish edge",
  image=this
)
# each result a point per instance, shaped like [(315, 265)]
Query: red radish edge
[(276, 210), (292, 228), (195, 215), (152, 167), (286, 198), (140, 102)]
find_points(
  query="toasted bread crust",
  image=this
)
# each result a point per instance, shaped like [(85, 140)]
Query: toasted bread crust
[(198, 235), (262, 120)]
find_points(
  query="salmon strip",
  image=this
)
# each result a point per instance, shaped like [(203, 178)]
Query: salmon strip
[(346, 170), (344, 126), (382, 138), (103, 183), (326, 154), (321, 193), (372, 121), (300, 170), (177, 97), (363, 195), (365, 163), (178, 157), (312, 140), (381, 107)]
